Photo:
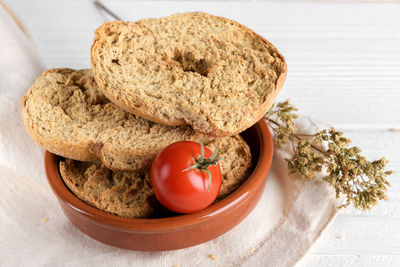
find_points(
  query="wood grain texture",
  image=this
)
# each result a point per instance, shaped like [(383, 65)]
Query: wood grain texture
[(343, 69)]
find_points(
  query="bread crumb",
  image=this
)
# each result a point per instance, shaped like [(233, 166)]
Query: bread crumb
[(234, 262), (198, 259), (341, 237), (358, 256), (251, 249), (212, 257), (176, 265), (45, 220)]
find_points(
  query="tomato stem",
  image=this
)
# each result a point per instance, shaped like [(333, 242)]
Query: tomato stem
[(202, 163)]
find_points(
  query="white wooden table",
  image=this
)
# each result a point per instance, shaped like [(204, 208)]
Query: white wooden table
[(344, 69)]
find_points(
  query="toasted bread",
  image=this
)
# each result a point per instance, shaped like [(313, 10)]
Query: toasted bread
[(130, 194), (209, 72), (67, 115)]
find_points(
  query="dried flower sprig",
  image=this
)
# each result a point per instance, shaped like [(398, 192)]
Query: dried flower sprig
[(351, 174)]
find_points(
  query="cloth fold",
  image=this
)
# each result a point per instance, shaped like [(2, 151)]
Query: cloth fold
[(288, 219)]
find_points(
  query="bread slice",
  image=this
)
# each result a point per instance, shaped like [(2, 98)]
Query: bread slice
[(235, 162), (127, 194), (130, 194), (209, 72), (66, 114)]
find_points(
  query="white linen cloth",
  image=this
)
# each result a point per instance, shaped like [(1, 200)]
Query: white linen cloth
[(288, 219)]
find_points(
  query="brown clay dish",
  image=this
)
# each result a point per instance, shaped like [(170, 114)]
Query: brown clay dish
[(173, 232)]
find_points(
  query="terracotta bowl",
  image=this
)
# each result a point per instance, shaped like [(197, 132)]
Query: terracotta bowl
[(173, 232)]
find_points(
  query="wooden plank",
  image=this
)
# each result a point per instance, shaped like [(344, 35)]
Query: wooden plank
[(342, 58), (379, 236)]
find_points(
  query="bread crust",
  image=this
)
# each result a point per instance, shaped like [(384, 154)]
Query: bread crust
[(215, 131), (125, 194), (97, 150), (270, 99), (140, 112), (233, 176), (76, 151)]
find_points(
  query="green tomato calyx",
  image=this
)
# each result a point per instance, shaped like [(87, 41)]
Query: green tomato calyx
[(202, 163)]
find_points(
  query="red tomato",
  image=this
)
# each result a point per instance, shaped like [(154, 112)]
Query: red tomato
[(181, 190)]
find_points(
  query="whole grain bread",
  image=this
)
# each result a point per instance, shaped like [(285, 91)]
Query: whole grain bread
[(235, 162), (66, 114), (209, 72), (127, 194), (130, 194)]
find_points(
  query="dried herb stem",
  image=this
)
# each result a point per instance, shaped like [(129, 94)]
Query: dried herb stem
[(347, 171), (298, 137)]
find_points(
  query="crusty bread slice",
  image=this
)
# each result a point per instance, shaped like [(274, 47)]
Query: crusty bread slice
[(194, 68), (127, 194), (235, 162), (66, 114), (130, 194)]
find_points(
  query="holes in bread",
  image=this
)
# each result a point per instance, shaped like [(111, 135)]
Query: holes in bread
[(115, 61), (190, 63)]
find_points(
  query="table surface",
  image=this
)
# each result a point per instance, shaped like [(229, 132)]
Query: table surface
[(344, 69)]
